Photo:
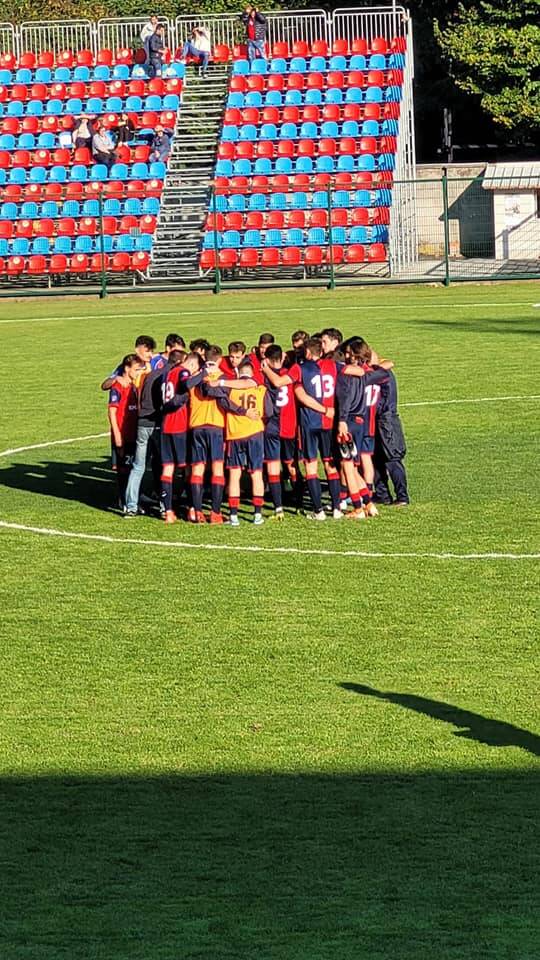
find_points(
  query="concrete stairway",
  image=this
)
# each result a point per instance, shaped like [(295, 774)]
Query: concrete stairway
[(184, 203)]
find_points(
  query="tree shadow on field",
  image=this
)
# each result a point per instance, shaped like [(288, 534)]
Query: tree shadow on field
[(527, 327), (87, 481), (269, 866), (491, 733)]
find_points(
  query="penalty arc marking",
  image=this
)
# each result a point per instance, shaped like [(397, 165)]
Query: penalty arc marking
[(254, 548)]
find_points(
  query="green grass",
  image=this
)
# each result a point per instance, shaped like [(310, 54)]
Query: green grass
[(210, 754)]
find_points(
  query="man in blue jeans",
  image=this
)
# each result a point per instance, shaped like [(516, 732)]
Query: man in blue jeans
[(256, 24), (148, 436)]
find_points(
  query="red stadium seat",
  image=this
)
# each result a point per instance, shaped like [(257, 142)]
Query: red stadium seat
[(15, 266), (239, 185), (312, 112), (291, 257), (58, 263), (50, 124), (340, 47), (300, 181), (74, 191), (85, 58), (372, 111), (364, 178), (249, 115), (359, 45), (4, 94), (37, 265), (139, 56), (356, 78), (377, 253), (285, 148), (265, 148), (216, 221), (62, 156), (355, 253), (46, 59), (391, 111), (281, 49), (270, 115), (337, 254), (259, 184), (360, 217), (76, 89), (322, 180), (6, 229), (275, 220), (388, 145), (347, 145), (226, 150), (318, 218), (221, 53), (232, 115), (306, 148), (208, 260), (24, 228), (147, 224), (327, 147), (228, 259), (19, 91), (300, 48), (399, 44), (231, 221), (92, 190), (315, 81), (28, 125), (255, 82), (43, 228), (353, 111), (78, 263), (279, 183), (28, 60), (295, 81), (296, 218), (53, 191), (270, 257), (123, 55), (65, 58), (338, 217), (343, 180), (254, 220), (245, 151), (97, 88), (153, 188), (319, 48), (249, 258), (140, 260), (335, 78), (96, 264), (379, 45), (367, 145), (39, 91), (66, 227), (34, 191), (291, 114), (276, 81), (58, 91), (2, 266), (156, 85), (313, 256), (5, 159), (82, 155), (375, 78), (330, 112), (237, 84), (123, 153)]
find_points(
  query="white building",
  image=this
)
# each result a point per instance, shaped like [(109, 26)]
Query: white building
[(516, 207)]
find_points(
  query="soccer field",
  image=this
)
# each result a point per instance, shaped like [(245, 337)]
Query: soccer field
[(295, 742)]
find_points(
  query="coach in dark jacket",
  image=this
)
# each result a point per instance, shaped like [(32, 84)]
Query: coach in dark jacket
[(256, 25), (390, 448)]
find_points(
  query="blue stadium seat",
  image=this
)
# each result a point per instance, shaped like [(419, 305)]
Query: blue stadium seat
[(361, 198), (71, 208), (42, 75), (390, 128), (237, 202), (373, 95), (235, 100), (329, 129), (151, 206), (125, 243), (17, 175), (268, 131), (273, 98), (139, 171), (144, 242), (171, 101), (39, 174), (278, 65), (20, 247), (383, 198), (253, 99), (377, 61), (387, 161), (379, 233), (102, 72), (229, 133), (278, 201), (309, 130), (224, 168), (78, 173), (63, 245), (74, 105), (283, 165), (209, 240), (98, 173), (324, 165), (303, 165), (119, 171), (259, 66), (83, 245), (370, 128), (7, 141), (316, 237), (132, 207), (175, 69), (317, 65), (156, 171), (134, 104), (41, 245), (319, 200), (357, 62), (81, 74), (3, 177), (358, 235), (338, 62), (58, 174), (299, 199), (252, 238), (15, 108), (293, 98), (288, 131), (29, 210), (257, 201), (338, 235), (62, 75), (313, 96), (50, 209), (396, 61), (4, 248), (248, 131), (121, 72), (114, 105), (23, 75), (341, 199), (350, 128), (366, 162), (46, 141), (90, 208), (54, 107), (345, 163), (8, 211), (94, 105), (241, 67), (393, 94), (298, 65), (219, 203), (108, 243), (26, 141), (263, 166), (293, 237), (273, 238), (242, 168), (231, 239)]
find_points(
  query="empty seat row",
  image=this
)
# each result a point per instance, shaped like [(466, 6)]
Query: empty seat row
[(307, 130), (70, 58), (51, 209), (317, 64), (322, 164), (59, 263), (285, 219), (98, 173), (319, 47), (97, 88), (312, 113), (85, 73), (295, 237), (79, 190), (301, 200), (275, 98), (23, 247), (315, 256), (326, 146), (94, 105), (72, 226)]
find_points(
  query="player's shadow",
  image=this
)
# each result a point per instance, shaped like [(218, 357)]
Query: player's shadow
[(472, 726), (524, 326), (225, 866), (91, 482)]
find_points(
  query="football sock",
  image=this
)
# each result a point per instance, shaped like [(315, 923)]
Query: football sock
[(365, 494), (234, 503), (218, 486), (274, 483), (314, 487), (166, 492), (257, 503), (197, 493), (334, 487), (356, 500), (343, 492)]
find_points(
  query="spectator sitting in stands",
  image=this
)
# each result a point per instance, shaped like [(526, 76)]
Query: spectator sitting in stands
[(160, 146), (102, 147), (255, 24), (147, 31), (83, 132), (198, 46), (156, 46), (125, 130)]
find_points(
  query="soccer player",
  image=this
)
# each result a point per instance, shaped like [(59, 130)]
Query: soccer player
[(183, 373), (245, 440), (145, 349), (331, 339), (257, 355), (173, 341), (229, 365), (315, 377), (207, 425), (122, 412), (296, 354), (390, 448), (199, 346)]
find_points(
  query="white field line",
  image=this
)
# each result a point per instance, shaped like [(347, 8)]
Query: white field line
[(413, 403), (179, 313), (237, 548)]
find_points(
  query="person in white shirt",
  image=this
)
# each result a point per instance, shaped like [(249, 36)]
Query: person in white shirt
[(146, 32), (198, 46), (103, 147)]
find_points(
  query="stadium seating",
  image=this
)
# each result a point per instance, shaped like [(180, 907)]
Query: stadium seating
[(305, 162), (53, 198)]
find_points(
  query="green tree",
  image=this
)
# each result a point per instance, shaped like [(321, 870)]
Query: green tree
[(493, 49)]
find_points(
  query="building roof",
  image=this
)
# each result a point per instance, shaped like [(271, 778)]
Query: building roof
[(512, 176)]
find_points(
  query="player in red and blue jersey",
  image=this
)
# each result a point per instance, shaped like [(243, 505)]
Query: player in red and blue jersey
[(123, 416), (183, 373), (229, 364), (257, 355), (280, 430)]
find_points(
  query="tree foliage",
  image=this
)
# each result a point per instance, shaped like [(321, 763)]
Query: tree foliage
[(494, 52)]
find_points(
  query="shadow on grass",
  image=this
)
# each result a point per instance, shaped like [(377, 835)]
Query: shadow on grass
[(524, 326), (492, 733), (271, 867)]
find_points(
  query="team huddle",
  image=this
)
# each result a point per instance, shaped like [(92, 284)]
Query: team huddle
[(205, 418)]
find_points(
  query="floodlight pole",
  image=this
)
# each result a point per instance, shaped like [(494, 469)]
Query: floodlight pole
[(217, 284), (444, 183)]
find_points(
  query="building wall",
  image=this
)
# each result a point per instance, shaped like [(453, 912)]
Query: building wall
[(517, 225), (470, 208)]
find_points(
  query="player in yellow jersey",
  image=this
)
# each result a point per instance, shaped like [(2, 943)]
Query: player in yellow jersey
[(244, 433)]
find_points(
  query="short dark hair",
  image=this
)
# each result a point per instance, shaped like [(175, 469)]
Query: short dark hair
[(146, 342), (129, 360), (246, 365), (199, 344), (299, 335), (237, 346), (332, 332), (359, 349), (194, 356), (274, 352), (214, 352), (266, 338), (314, 345), (174, 339), (176, 356)]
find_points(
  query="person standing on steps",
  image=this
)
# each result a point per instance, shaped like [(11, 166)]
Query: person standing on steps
[(256, 26)]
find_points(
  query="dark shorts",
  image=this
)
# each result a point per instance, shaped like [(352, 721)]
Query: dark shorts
[(207, 445), (279, 448), (315, 442), (174, 448), (124, 462), (368, 445), (247, 454)]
